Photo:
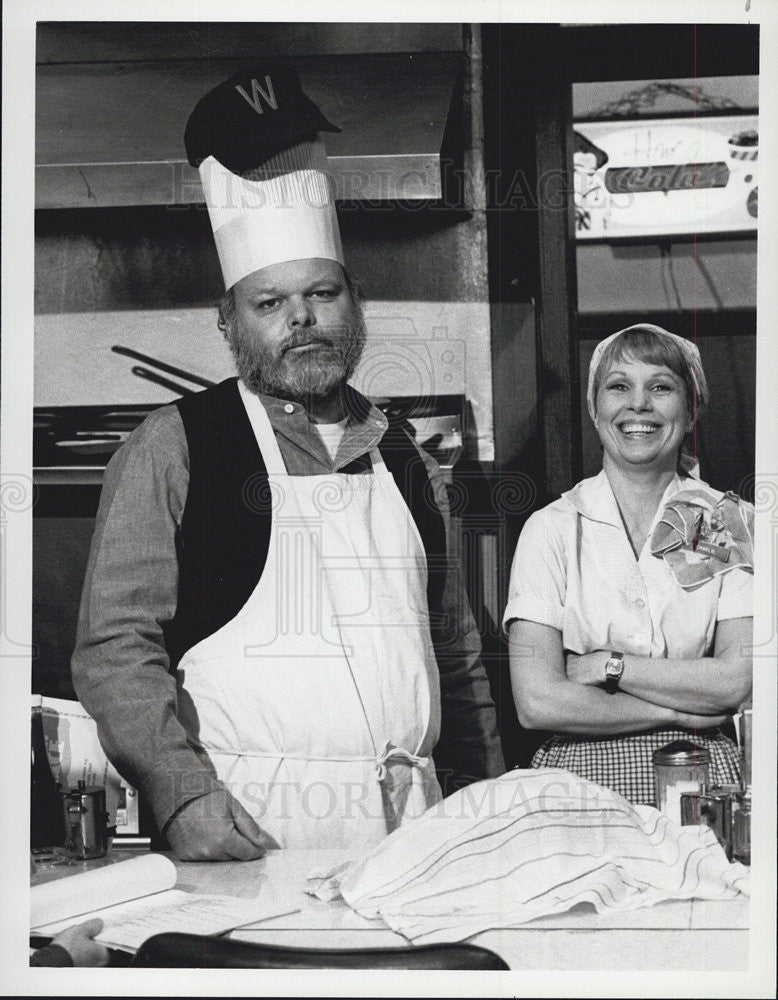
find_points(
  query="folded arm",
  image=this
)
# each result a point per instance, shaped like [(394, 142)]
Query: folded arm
[(707, 685), (546, 698)]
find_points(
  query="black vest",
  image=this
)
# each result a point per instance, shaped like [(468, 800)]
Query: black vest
[(225, 529)]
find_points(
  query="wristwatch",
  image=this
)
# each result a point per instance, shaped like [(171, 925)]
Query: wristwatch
[(614, 668)]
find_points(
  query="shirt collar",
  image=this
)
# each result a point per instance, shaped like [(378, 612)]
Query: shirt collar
[(365, 427), (359, 409), (593, 498)]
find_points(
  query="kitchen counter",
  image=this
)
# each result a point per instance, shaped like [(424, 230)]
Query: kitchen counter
[(684, 935), (679, 934)]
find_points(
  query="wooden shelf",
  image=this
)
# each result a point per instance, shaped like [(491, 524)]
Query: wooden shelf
[(111, 133)]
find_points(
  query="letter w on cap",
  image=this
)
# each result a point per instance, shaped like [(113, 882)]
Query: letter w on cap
[(257, 92)]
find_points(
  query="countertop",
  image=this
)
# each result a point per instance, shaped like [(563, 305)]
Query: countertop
[(683, 935)]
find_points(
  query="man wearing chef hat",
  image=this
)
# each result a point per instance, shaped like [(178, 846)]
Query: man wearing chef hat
[(270, 638)]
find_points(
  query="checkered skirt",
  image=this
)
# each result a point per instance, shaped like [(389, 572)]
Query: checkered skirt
[(624, 763)]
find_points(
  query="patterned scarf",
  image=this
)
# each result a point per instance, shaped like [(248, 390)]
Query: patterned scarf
[(700, 538)]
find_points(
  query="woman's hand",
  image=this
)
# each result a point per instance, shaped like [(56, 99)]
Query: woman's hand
[(704, 687), (547, 698), (688, 721), (587, 668)]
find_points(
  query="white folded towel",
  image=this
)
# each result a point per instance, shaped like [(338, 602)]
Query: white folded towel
[(528, 844)]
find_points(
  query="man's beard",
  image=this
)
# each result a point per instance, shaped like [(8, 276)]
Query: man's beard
[(315, 373)]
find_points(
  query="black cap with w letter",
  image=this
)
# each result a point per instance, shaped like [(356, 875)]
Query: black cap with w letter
[(251, 117)]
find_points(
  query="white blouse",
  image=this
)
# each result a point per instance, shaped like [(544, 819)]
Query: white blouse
[(574, 569)]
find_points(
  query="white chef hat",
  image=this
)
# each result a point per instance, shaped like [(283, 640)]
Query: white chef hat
[(264, 171)]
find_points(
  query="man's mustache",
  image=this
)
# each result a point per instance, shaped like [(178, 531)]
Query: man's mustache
[(339, 337)]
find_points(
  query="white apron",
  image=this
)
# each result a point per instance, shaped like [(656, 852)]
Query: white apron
[(318, 704)]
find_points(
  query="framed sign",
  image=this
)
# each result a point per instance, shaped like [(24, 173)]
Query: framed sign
[(666, 176)]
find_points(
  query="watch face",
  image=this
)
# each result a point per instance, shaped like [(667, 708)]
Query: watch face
[(614, 667)]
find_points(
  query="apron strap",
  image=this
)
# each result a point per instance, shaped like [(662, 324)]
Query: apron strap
[(263, 431), (398, 753)]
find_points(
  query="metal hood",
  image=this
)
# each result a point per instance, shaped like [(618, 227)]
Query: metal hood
[(111, 133)]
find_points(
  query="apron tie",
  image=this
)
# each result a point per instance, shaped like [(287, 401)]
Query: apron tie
[(391, 752)]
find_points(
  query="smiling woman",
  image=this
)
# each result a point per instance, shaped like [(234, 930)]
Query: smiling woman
[(646, 391), (642, 417), (623, 638)]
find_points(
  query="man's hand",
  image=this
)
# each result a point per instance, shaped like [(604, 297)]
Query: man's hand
[(77, 942), (216, 827)]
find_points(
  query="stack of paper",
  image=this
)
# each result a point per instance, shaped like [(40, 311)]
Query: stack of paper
[(136, 899)]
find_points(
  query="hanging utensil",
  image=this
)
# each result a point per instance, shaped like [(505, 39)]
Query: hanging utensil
[(166, 383), (163, 366)]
